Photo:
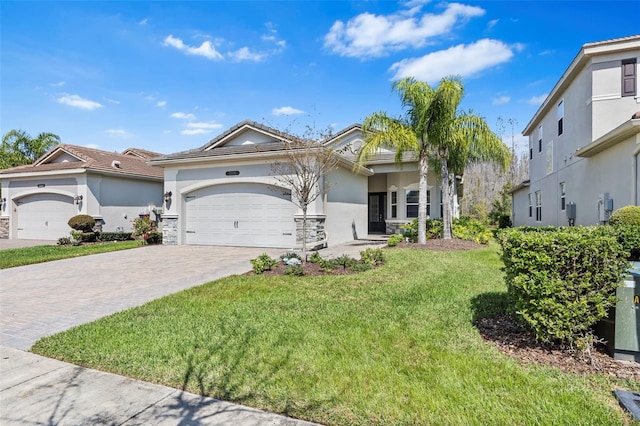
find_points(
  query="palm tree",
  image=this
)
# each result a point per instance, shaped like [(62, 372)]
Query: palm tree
[(418, 132), (468, 140), (19, 148)]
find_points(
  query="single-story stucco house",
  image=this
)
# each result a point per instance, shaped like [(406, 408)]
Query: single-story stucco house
[(226, 193), (39, 199)]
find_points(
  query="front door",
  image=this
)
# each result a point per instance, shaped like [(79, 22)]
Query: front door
[(377, 203)]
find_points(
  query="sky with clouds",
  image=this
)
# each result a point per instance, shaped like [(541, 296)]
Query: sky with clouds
[(169, 76)]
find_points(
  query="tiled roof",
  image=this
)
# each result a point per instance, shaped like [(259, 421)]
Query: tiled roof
[(142, 153), (225, 150), (244, 123), (93, 160)]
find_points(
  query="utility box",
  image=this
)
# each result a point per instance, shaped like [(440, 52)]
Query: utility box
[(622, 329)]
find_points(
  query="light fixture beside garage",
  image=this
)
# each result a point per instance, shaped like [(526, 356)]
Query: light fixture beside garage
[(167, 196), (77, 199)]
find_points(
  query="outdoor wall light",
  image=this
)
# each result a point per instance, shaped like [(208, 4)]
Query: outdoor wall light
[(77, 199), (167, 196), (3, 200)]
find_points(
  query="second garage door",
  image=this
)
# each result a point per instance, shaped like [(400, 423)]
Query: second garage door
[(44, 216), (251, 215)]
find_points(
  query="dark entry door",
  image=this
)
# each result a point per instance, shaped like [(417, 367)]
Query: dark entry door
[(377, 203)]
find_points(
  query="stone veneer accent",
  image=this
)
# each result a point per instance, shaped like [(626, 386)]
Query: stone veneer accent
[(170, 230), (315, 232), (4, 228), (394, 227)]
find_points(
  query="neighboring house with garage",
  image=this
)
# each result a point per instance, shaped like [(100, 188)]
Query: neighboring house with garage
[(584, 140), (226, 193), (38, 199)]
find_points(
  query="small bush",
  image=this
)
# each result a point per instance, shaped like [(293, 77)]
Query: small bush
[(145, 229), (627, 215), (345, 261), (64, 241), (263, 263), (315, 257), (629, 238), (328, 265), (504, 221), (360, 267), (82, 222), (372, 257), (294, 270), (394, 240), (562, 282), (114, 236), (88, 237)]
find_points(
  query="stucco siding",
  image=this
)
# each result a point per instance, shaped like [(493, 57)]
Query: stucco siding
[(346, 207)]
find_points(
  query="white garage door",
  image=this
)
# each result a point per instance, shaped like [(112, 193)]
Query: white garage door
[(44, 216), (240, 215)]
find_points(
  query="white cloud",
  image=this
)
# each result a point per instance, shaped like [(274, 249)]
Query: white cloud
[(500, 100), (244, 54), (92, 145), (58, 84), (183, 116), (144, 21), (112, 101), (547, 52), (161, 104), (462, 60), (201, 128), (118, 133), (206, 49), (78, 102), (369, 35), (286, 110), (492, 24), (537, 100)]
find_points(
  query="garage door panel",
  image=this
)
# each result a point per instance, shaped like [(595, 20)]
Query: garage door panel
[(44, 216), (240, 215)]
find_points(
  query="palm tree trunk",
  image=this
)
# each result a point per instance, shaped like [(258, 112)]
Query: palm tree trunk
[(423, 166), (446, 198)]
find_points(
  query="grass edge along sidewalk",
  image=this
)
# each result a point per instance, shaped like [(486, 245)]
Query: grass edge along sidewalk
[(395, 345)]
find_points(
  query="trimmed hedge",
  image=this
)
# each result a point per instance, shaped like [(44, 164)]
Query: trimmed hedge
[(629, 237), (562, 281), (464, 228), (114, 236), (627, 215), (82, 222)]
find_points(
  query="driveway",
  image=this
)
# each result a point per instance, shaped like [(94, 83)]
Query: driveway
[(47, 298)]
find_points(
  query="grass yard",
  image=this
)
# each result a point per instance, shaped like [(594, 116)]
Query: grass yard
[(29, 255), (391, 346)]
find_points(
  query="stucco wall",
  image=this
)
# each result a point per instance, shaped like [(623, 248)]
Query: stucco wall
[(346, 207)]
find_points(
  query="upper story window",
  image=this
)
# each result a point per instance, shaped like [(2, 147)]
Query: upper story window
[(560, 117), (540, 138), (629, 77)]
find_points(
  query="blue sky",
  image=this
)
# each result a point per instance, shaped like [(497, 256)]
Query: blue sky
[(169, 76)]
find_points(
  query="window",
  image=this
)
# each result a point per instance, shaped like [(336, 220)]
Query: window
[(530, 153), (441, 206), (540, 138), (394, 204), (563, 196), (538, 206), (412, 203), (560, 117), (530, 205), (629, 77)]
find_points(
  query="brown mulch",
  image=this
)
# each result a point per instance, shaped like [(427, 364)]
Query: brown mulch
[(512, 340), (310, 270), (443, 245)]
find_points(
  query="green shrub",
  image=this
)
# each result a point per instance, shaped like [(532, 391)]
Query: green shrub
[(345, 261), (315, 257), (328, 265), (372, 256), (464, 228), (114, 236), (394, 240), (82, 222), (504, 221), (88, 237), (360, 267), (627, 215), (290, 255), (64, 241), (562, 282), (629, 238), (294, 270), (263, 263)]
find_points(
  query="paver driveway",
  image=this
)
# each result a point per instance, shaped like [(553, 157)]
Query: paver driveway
[(43, 299)]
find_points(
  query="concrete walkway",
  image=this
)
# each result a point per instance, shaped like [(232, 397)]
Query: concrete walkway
[(40, 391)]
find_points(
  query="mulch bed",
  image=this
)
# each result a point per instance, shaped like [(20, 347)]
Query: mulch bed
[(512, 340)]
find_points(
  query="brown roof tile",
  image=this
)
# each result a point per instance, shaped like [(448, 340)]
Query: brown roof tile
[(92, 160)]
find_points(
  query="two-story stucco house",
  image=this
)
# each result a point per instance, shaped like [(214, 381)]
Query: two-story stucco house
[(584, 140), (226, 193)]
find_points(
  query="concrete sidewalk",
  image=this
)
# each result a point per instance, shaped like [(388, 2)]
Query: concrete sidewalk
[(40, 391)]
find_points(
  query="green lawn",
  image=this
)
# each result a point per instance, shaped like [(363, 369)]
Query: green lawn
[(29, 255), (391, 346)]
